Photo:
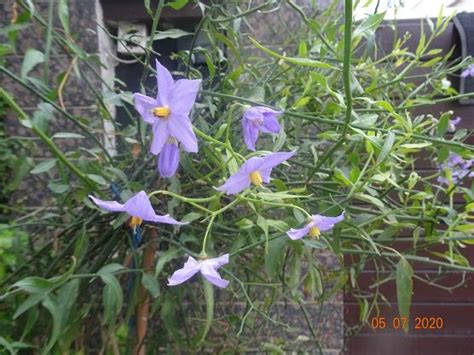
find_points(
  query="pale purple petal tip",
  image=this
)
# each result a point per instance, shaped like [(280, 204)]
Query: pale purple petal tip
[(250, 132), (165, 84), (211, 275), (160, 137), (166, 219), (190, 268), (298, 233), (168, 160), (220, 261), (274, 159), (144, 105), (235, 184), (270, 123), (112, 206), (184, 96), (326, 223), (181, 128)]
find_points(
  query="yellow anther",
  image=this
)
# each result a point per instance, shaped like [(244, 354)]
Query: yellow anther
[(135, 221), (161, 111), (256, 178), (314, 232)]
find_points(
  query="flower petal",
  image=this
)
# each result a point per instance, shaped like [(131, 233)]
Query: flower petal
[(190, 268), (166, 219), (113, 206), (144, 105), (265, 174), (325, 223), (274, 159), (181, 128), (270, 122), (235, 183), (251, 165), (165, 84), (160, 136), (213, 276), (250, 132), (140, 206), (168, 160), (298, 233), (184, 96), (219, 261)]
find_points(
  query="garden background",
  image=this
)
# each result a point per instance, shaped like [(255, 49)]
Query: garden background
[(370, 110)]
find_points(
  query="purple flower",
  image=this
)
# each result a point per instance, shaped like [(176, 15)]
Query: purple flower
[(169, 112), (256, 170), (469, 71), (314, 228), (138, 207), (457, 168), (259, 119), (207, 267), (168, 160), (453, 123)]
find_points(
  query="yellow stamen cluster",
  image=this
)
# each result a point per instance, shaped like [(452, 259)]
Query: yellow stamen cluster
[(256, 178), (161, 112), (135, 221), (314, 232)]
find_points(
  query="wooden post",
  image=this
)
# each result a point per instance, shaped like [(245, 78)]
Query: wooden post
[(143, 305)]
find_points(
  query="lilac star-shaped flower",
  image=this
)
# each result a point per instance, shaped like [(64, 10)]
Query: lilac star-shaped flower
[(259, 119), (168, 114), (138, 207), (453, 123), (469, 71), (457, 168), (255, 171), (207, 267), (314, 228)]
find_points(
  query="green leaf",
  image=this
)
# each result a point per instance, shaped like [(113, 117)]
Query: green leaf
[(339, 175), (34, 284), (443, 124), (32, 58), (63, 14), (67, 135), (173, 33), (262, 223), (404, 282), (191, 216), (58, 188), (7, 345), (44, 166), (274, 257), (112, 297), (151, 284), (298, 61), (368, 26), (303, 49), (370, 199), (110, 269), (98, 179), (31, 301), (387, 147), (178, 4), (165, 258), (465, 227), (51, 304)]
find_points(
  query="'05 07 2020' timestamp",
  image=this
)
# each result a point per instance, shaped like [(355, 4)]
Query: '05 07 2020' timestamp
[(418, 323)]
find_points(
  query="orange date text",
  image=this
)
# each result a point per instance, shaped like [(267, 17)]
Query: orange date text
[(418, 323)]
